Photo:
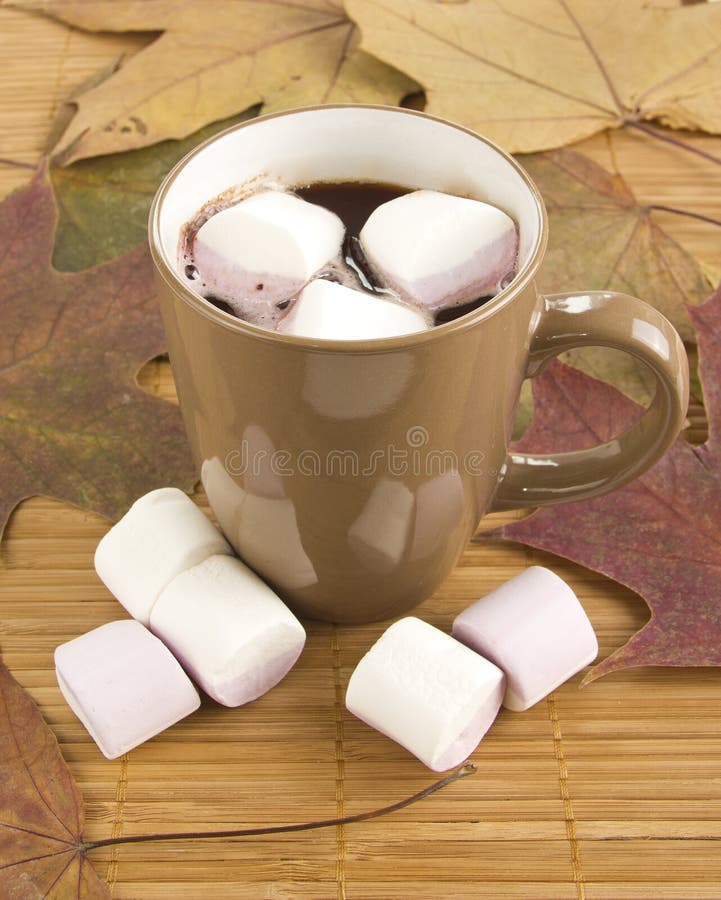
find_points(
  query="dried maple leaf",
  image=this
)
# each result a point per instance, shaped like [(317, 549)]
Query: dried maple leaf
[(602, 238), (73, 422), (538, 75), (41, 810), (213, 60), (658, 535)]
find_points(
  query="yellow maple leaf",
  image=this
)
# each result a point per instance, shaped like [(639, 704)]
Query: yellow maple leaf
[(541, 74), (213, 60)]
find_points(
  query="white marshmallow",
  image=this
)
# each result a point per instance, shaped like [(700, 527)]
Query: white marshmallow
[(162, 534), (263, 250), (426, 691), (535, 629), (439, 250), (325, 309), (228, 629), (123, 684)]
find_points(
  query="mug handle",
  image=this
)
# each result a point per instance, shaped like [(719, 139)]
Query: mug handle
[(605, 319)]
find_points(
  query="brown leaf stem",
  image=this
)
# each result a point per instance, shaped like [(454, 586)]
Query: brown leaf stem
[(667, 138), (16, 163), (684, 212), (462, 772)]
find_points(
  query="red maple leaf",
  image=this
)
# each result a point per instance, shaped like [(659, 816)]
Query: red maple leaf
[(41, 811), (73, 422)]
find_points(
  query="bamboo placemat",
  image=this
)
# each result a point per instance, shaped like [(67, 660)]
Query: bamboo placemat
[(610, 793)]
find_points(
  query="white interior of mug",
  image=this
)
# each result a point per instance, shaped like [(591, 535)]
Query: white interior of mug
[(351, 143)]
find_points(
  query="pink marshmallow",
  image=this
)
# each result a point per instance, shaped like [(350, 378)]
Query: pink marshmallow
[(534, 628), (123, 684)]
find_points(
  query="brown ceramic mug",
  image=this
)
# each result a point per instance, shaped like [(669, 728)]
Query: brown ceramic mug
[(351, 474)]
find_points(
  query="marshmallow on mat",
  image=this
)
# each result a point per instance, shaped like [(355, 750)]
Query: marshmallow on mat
[(233, 635), (439, 250), (426, 691), (325, 309), (162, 534), (535, 629), (263, 250), (123, 684)]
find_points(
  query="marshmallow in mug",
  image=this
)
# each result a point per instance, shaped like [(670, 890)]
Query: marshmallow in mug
[(439, 250), (161, 535), (427, 692), (328, 310), (535, 629), (261, 251)]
